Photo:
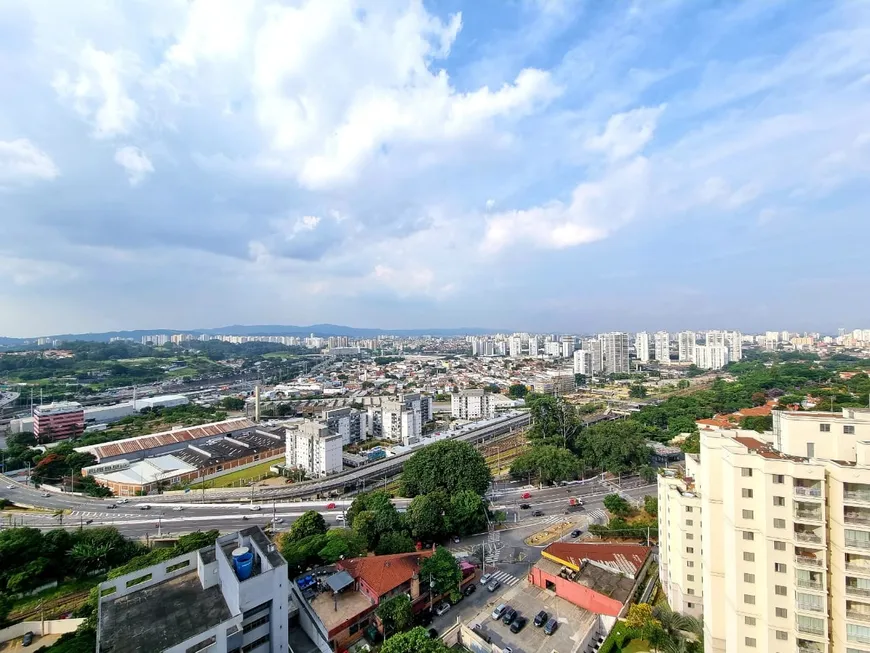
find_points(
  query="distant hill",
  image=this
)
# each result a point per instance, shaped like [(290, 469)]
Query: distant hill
[(265, 330)]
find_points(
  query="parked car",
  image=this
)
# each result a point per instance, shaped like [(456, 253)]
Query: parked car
[(524, 506), (442, 608), (538, 513), (518, 624), (10, 487), (509, 615), (469, 589), (27, 640), (541, 618), (456, 539), (499, 611), (493, 585), (551, 626), (485, 579), (576, 532), (339, 518)]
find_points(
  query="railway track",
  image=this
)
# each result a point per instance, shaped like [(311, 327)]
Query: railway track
[(58, 605)]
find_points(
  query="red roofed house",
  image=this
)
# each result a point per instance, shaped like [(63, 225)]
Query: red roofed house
[(600, 578), (731, 421)]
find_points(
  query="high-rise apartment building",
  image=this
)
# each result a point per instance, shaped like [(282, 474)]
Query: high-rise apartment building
[(714, 338), (233, 595), (350, 424), (59, 420), (568, 344), (583, 362), (616, 353), (515, 346), (553, 349), (784, 535), (641, 346), (710, 357), (663, 346), (686, 345), (734, 342), (595, 347), (472, 403), (313, 447), (534, 345)]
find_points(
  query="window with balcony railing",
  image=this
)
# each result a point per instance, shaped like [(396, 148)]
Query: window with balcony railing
[(856, 492), (806, 646), (858, 539), (807, 488), (809, 602), (812, 625), (856, 633), (853, 515), (809, 536), (811, 580)]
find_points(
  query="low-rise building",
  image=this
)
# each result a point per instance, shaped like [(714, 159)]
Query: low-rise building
[(229, 597)]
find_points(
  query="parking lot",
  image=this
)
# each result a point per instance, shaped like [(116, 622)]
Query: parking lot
[(528, 600)]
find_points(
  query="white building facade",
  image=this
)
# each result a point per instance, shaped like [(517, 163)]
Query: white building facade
[(616, 353), (311, 446), (471, 404), (711, 357), (663, 347), (641, 346), (686, 345)]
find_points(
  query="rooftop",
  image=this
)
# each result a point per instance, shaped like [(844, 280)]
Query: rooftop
[(384, 573), (602, 581), (150, 470), (160, 616), (335, 609), (627, 558), (766, 450)]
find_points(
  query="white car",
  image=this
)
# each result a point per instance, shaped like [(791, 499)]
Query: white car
[(10, 487), (178, 508), (255, 507), (339, 518), (123, 500), (441, 609), (485, 579)]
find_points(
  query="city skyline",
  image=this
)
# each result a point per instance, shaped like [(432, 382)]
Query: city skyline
[(539, 165)]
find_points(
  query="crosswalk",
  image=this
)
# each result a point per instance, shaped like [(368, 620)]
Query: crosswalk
[(597, 516), (505, 578)]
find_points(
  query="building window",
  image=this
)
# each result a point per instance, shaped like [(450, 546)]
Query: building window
[(780, 590), (690, 591), (748, 514), (690, 549), (689, 563), (749, 641), (749, 621), (688, 508), (748, 578), (778, 479), (255, 644), (782, 613), (781, 635), (255, 624), (779, 501), (779, 546), (779, 523), (689, 522), (689, 536), (746, 472), (749, 598), (848, 429), (746, 493), (825, 428), (748, 535), (690, 605), (811, 449), (748, 556), (779, 567), (690, 578)]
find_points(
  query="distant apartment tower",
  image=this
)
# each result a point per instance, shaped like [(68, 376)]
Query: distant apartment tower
[(663, 346), (552, 348), (710, 357), (350, 424), (472, 403), (583, 362), (616, 353), (595, 347), (311, 446), (734, 341), (641, 346), (515, 345), (686, 345), (714, 338), (534, 345), (568, 344), (59, 420), (402, 419)]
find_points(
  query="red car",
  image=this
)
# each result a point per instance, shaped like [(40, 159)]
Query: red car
[(330, 506), (527, 495)]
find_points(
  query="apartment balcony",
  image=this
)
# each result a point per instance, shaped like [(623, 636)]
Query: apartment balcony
[(808, 512), (858, 516), (804, 646), (857, 591), (817, 585), (808, 536), (857, 544), (856, 493), (808, 561), (856, 567), (811, 630), (811, 491), (806, 607)]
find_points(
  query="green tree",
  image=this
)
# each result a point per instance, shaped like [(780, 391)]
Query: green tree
[(617, 447), (639, 616), (466, 513), (518, 391), (416, 640), (692, 444), (232, 403), (365, 525), (394, 542), (448, 465), (651, 505), (554, 421), (341, 544), (647, 473), (310, 523), (550, 463), (617, 505), (395, 614), (443, 569), (758, 423), (426, 515), (637, 391), (579, 380)]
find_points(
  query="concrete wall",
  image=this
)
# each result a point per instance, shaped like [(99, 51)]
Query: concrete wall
[(576, 593), (51, 627)]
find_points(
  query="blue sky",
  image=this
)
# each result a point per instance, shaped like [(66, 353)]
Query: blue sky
[(546, 165)]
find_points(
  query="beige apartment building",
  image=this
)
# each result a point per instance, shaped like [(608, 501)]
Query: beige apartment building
[(780, 527)]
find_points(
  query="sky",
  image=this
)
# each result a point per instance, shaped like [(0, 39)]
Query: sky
[(540, 165)]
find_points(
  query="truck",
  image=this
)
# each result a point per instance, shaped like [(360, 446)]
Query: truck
[(574, 504)]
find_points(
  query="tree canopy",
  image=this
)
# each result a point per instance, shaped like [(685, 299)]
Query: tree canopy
[(549, 463), (448, 465), (416, 640), (443, 569), (310, 523), (395, 614)]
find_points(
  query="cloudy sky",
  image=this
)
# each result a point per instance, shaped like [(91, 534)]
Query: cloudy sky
[(549, 165)]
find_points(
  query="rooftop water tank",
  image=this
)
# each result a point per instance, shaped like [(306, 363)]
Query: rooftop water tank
[(243, 562)]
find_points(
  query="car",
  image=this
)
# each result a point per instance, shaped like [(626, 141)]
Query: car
[(112, 506), (123, 500), (255, 507), (551, 626), (469, 589), (576, 532), (527, 495), (442, 608), (524, 506), (27, 640), (493, 585), (509, 615), (277, 520), (518, 624), (10, 487), (538, 513), (339, 518), (330, 506), (178, 508), (46, 494), (456, 539), (499, 611), (541, 618), (485, 579), (144, 506)]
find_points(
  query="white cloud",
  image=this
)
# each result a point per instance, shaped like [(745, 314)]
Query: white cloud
[(490, 203), (135, 162), (21, 161), (98, 90), (626, 133), (214, 30)]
